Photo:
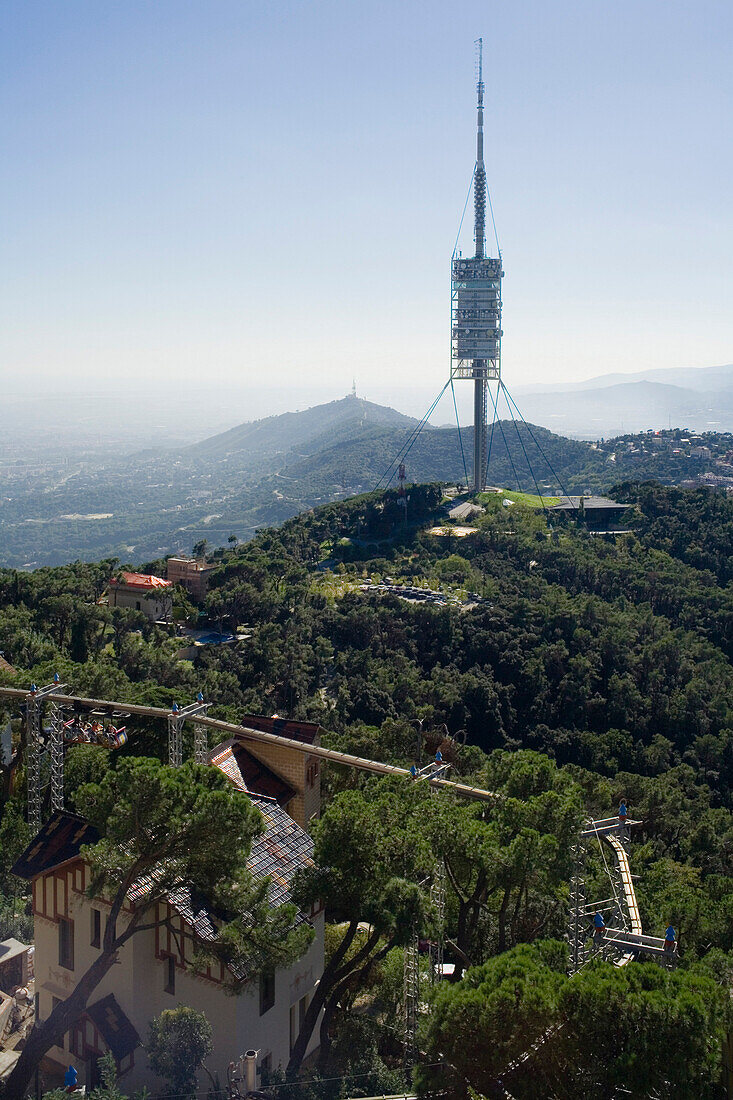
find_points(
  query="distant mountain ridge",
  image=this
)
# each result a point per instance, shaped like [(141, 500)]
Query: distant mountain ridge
[(695, 378), (308, 429), (700, 399)]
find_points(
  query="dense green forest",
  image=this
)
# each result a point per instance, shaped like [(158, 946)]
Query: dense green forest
[(564, 671)]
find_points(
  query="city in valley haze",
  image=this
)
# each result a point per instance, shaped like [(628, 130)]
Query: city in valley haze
[(238, 209)]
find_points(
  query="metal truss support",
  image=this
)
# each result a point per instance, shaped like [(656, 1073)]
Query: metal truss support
[(436, 769), (175, 737), (56, 745), (176, 720), (200, 744), (33, 760), (437, 897), (201, 735), (410, 997), (34, 745), (578, 921)]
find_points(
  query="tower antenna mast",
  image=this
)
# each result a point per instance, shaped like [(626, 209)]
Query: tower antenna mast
[(479, 181), (476, 303)]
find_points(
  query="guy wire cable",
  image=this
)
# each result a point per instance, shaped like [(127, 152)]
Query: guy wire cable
[(506, 445), (413, 435), (526, 456), (491, 442), (425, 421), (536, 443), (460, 440), (411, 439), (465, 208)]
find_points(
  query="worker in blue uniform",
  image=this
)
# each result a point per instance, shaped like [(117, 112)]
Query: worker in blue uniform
[(599, 926), (670, 940), (71, 1078), (622, 815)]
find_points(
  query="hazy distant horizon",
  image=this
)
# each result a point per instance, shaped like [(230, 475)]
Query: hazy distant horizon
[(134, 416)]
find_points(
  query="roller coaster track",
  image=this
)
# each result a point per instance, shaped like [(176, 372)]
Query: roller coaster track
[(631, 940), (376, 767)]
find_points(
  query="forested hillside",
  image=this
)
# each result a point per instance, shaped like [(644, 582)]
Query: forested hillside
[(58, 505), (564, 670)]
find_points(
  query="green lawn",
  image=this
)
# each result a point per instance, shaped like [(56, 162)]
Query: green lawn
[(529, 499)]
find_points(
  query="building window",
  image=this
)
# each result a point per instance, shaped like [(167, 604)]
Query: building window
[(114, 927), (170, 973), (312, 774), (302, 1009), (293, 1026), (96, 933), (137, 605), (66, 943), (267, 991)]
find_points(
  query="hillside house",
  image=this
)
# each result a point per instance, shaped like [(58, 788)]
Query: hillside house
[(142, 592), (154, 971), (192, 574)]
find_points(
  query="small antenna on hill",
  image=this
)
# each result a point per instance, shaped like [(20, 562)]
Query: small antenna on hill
[(353, 388)]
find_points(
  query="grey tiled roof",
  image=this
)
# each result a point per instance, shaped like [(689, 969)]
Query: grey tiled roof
[(283, 849)]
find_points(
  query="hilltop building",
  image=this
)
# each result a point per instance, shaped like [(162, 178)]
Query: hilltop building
[(597, 513), (141, 592), (154, 971), (192, 573)]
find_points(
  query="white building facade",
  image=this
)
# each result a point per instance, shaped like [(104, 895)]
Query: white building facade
[(155, 969)]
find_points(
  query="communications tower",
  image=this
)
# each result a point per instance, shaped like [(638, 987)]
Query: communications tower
[(476, 305)]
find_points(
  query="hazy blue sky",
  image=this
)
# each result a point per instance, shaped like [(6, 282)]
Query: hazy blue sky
[(259, 193)]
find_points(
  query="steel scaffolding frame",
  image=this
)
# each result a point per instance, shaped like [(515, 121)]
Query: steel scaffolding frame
[(175, 738), (623, 940), (437, 897), (176, 721), (578, 921), (56, 745), (410, 997), (201, 735), (435, 770), (34, 738)]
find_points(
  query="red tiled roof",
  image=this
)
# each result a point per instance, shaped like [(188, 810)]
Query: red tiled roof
[(141, 580)]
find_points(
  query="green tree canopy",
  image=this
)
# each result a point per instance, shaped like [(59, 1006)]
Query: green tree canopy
[(180, 1040), (519, 1019)]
